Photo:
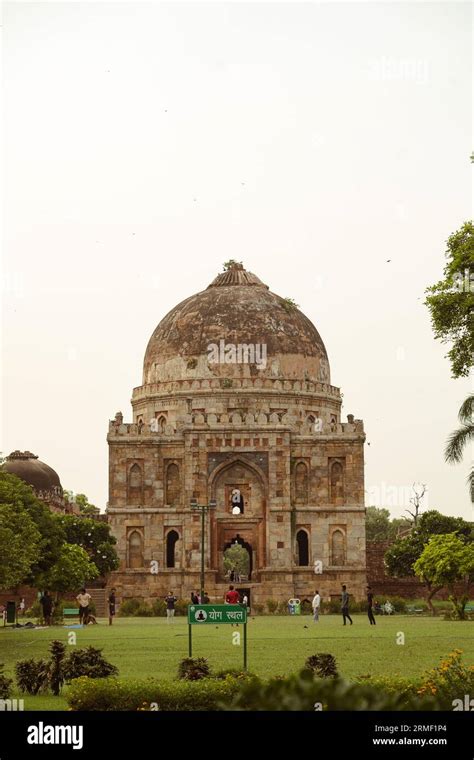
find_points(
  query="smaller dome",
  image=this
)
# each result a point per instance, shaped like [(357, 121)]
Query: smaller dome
[(29, 468)]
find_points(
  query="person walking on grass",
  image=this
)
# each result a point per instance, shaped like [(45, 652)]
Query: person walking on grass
[(170, 606), (345, 606), (112, 602), (370, 605), (316, 604)]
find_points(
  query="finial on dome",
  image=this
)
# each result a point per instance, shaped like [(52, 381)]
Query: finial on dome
[(235, 274), (21, 455)]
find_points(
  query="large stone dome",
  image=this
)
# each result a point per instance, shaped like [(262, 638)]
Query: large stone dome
[(194, 340), (37, 474)]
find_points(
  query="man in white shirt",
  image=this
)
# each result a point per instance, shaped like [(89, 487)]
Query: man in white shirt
[(316, 603), (84, 600)]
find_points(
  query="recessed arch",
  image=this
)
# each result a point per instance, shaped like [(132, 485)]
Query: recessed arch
[(172, 537), (301, 482), (135, 549), (338, 548), (302, 548), (173, 484)]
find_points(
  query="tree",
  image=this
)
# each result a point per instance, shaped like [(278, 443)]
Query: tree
[(416, 500), (72, 570), (94, 537), (446, 560), (19, 545), (16, 493), (82, 501), (451, 301), (237, 558), (377, 524), (459, 439), (402, 555)]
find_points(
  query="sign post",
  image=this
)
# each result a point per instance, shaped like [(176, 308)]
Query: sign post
[(220, 614)]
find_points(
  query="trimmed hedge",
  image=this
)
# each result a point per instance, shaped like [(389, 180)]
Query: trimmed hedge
[(303, 692), (138, 608), (113, 694)]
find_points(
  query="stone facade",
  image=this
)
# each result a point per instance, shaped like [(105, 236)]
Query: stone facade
[(273, 431)]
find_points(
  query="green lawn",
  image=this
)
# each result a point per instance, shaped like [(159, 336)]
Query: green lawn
[(142, 647)]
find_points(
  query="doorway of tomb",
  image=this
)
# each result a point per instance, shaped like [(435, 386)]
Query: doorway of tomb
[(238, 560)]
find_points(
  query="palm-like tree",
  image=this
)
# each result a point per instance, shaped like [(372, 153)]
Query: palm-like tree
[(459, 439)]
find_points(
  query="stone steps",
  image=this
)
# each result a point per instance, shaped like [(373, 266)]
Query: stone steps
[(99, 597)]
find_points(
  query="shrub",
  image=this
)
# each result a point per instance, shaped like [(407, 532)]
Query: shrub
[(259, 609), (143, 610), (5, 684), (391, 684), (306, 607), (333, 606), (32, 676), (159, 607), (272, 606), (450, 681), (129, 607), (56, 677), (302, 692), (112, 694), (88, 661), (181, 607), (232, 673), (322, 665), (35, 610), (193, 668), (282, 608)]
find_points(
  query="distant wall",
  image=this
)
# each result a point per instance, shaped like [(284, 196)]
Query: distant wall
[(383, 584)]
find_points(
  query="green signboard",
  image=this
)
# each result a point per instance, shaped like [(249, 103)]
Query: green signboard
[(200, 614)]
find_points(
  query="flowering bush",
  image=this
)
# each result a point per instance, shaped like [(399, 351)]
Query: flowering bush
[(449, 681)]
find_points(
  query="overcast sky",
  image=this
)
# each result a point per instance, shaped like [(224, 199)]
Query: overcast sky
[(146, 144)]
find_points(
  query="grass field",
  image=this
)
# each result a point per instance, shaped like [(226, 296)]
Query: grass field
[(142, 647)]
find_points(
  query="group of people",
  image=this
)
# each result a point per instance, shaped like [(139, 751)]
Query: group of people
[(84, 603), (234, 575), (316, 605)]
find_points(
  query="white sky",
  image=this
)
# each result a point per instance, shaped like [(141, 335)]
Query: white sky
[(145, 144)]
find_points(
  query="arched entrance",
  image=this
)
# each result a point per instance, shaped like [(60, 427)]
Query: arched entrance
[(238, 557), (238, 476)]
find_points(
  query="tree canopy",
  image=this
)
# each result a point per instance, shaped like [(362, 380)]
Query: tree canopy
[(446, 560), (17, 494), (379, 526), (72, 570), (94, 537), (451, 301), (19, 545)]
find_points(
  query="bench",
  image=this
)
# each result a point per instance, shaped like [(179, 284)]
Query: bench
[(69, 612), (469, 608), (414, 610)]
